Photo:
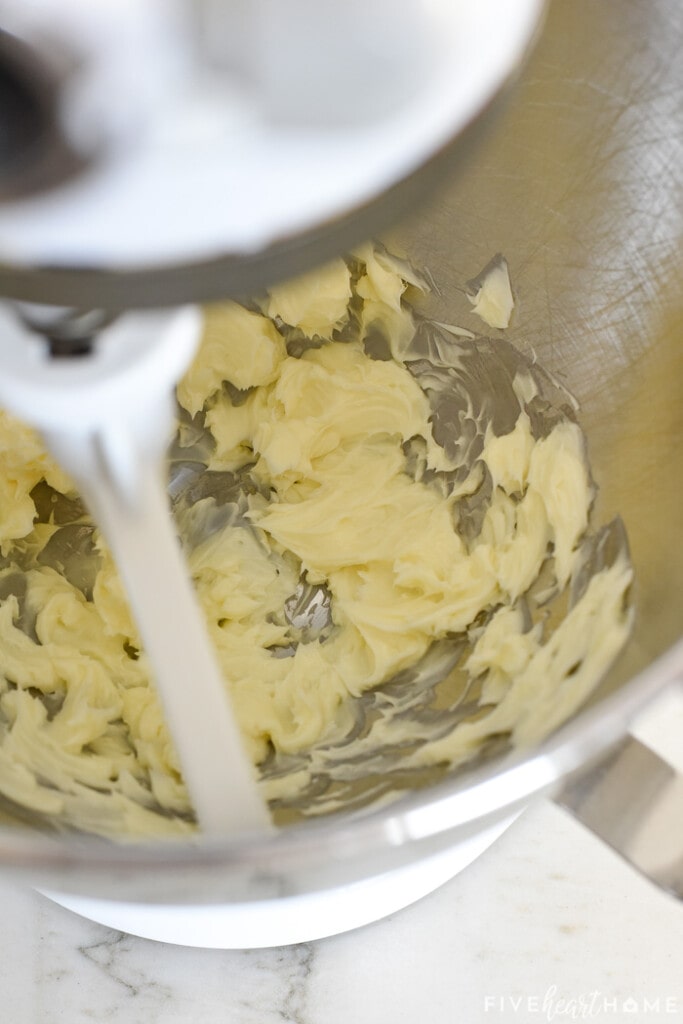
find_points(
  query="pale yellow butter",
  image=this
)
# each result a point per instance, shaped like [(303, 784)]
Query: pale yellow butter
[(326, 436), (252, 357), (316, 303)]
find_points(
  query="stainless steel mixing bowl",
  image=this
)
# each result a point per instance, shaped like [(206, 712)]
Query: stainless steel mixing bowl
[(580, 187)]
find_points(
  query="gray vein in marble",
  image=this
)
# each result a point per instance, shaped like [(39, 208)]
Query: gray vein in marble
[(293, 967), (295, 1004), (113, 956)]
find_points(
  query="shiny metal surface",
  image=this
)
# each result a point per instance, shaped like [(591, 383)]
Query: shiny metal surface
[(580, 187), (648, 836)]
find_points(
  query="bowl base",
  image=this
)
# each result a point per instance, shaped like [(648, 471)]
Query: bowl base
[(292, 919)]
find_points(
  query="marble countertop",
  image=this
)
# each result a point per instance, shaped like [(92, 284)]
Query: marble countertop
[(547, 925)]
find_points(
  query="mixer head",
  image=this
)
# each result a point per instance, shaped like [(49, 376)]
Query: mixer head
[(184, 151)]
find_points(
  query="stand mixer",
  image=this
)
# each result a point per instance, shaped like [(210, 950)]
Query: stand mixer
[(177, 152), (182, 148), (181, 155)]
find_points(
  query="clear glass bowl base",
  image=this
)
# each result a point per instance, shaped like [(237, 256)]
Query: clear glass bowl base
[(281, 922)]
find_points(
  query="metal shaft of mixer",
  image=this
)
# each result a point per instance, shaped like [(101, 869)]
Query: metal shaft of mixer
[(106, 412)]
